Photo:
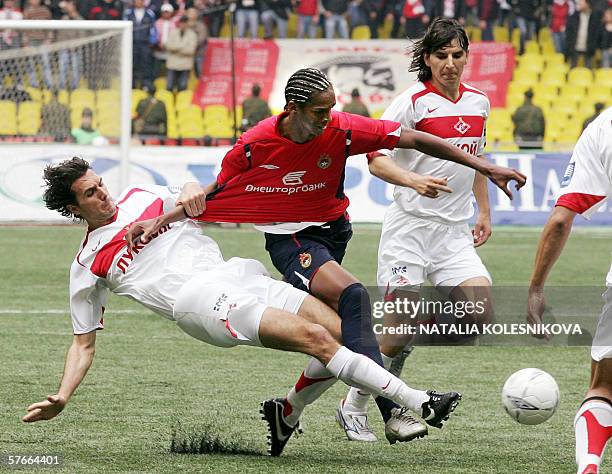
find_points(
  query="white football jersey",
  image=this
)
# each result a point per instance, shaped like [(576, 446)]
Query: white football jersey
[(461, 123), (587, 181), (152, 274)]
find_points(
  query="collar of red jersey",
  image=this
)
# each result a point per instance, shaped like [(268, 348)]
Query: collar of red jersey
[(279, 118)]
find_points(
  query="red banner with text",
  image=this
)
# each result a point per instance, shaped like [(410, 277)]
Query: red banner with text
[(255, 62), (489, 68), (377, 68)]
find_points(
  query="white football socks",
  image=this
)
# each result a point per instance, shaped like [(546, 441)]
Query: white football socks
[(313, 382), (593, 428), (359, 371), (356, 399), (386, 360)]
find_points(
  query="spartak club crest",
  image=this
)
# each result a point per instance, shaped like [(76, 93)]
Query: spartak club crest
[(462, 127)]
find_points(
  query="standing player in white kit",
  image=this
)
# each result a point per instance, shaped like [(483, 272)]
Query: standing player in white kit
[(586, 186), (424, 238)]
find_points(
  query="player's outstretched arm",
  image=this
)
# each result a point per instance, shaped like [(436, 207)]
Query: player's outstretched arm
[(140, 232), (434, 146), (385, 168), (553, 238), (482, 229), (191, 203), (78, 361)]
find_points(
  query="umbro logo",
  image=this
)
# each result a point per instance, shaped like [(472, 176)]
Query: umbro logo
[(522, 404), (462, 127), (305, 281), (269, 167)]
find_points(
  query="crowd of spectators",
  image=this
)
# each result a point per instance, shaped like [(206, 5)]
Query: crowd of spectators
[(169, 39), (176, 31), (155, 40), (579, 26)]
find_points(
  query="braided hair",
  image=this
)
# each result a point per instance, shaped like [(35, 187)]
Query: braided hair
[(303, 84)]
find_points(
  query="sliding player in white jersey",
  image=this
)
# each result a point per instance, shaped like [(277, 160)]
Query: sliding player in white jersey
[(586, 185), (425, 238), (180, 274)]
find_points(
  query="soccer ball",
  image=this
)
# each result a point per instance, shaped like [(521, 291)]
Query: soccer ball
[(530, 396)]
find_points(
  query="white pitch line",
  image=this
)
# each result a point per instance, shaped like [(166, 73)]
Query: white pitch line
[(60, 311)]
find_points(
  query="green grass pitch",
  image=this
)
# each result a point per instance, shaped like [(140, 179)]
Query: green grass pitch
[(149, 378)]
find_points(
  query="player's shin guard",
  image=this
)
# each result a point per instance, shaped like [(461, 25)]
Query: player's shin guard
[(355, 312), (357, 400), (359, 371), (593, 429), (313, 382)]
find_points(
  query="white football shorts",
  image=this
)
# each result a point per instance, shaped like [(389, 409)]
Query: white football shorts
[(413, 250), (602, 341), (224, 306)]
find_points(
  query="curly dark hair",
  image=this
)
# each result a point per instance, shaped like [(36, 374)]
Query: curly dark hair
[(59, 178), (440, 33)]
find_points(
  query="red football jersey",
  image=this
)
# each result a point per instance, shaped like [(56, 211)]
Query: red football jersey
[(267, 178)]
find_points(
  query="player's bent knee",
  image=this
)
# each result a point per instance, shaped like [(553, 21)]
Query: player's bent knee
[(355, 293), (317, 312), (319, 341), (473, 303)]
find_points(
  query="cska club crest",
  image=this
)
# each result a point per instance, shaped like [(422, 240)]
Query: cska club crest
[(324, 161), (305, 260), (461, 126)]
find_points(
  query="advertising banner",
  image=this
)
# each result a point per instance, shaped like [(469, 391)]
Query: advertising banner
[(489, 68), (254, 61), (379, 69), (22, 167)]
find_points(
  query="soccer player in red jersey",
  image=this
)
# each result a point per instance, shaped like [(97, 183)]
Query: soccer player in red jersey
[(287, 174)]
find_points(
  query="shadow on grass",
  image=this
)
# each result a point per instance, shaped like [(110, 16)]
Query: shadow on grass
[(203, 440)]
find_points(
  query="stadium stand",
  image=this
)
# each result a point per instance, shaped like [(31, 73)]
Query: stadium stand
[(566, 96), (8, 110)]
